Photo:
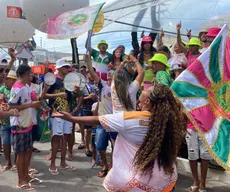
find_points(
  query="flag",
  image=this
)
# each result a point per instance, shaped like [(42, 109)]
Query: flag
[(204, 90), (72, 24)]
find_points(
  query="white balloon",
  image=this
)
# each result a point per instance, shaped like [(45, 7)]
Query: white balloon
[(13, 30), (38, 11)]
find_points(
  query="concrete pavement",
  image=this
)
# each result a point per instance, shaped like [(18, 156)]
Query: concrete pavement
[(84, 179)]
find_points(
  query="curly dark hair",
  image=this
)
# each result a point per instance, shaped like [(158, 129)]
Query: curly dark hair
[(162, 142)]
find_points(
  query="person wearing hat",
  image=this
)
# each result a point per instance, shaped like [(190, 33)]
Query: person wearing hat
[(101, 58), (193, 53), (60, 100), (212, 33), (5, 66), (146, 52), (5, 123), (160, 67)]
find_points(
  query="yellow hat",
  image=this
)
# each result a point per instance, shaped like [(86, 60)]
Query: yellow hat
[(162, 59), (102, 42), (194, 41), (12, 74)]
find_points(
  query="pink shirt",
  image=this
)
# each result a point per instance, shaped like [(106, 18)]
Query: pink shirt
[(191, 58)]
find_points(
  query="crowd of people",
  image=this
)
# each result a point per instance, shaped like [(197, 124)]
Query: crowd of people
[(127, 100)]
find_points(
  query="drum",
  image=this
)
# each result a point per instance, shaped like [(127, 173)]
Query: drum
[(74, 79), (49, 79)]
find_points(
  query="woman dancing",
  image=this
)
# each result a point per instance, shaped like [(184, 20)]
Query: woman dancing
[(147, 144)]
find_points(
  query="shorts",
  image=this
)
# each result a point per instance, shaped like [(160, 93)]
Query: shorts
[(6, 135), (102, 137), (87, 113), (60, 127), (35, 135), (196, 147), (22, 142)]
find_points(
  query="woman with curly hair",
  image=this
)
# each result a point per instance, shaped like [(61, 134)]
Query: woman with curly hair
[(147, 144)]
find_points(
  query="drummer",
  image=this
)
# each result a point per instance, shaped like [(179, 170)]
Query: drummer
[(60, 100)]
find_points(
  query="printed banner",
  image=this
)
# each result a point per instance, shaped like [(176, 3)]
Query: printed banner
[(73, 23), (204, 90)]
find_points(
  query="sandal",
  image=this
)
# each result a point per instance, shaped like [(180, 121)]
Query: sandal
[(81, 146), (193, 189), (6, 168), (33, 171), (25, 187), (35, 181), (68, 168), (54, 172), (35, 150), (102, 173), (70, 158), (89, 153), (14, 168)]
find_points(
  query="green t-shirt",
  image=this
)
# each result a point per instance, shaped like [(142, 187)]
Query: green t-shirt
[(6, 96), (148, 75), (97, 57), (164, 78)]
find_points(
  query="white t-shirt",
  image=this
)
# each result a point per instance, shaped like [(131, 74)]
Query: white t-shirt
[(34, 90), (176, 60), (132, 90), (106, 99), (19, 95), (132, 128)]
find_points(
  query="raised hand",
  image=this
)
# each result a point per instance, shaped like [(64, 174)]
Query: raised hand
[(189, 32), (162, 33), (12, 54), (178, 26)]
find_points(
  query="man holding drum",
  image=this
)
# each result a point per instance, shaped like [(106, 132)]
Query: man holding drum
[(60, 100)]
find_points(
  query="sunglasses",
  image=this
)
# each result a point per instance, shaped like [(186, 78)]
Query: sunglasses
[(3, 69)]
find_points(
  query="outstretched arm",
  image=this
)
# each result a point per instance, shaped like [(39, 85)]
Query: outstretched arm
[(179, 41), (13, 58), (90, 68), (160, 42), (89, 120)]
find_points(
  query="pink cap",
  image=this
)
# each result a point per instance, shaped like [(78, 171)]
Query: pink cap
[(147, 39), (213, 32)]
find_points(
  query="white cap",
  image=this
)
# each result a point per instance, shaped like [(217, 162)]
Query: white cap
[(61, 63), (1, 61)]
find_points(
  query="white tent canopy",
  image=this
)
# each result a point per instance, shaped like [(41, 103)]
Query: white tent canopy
[(151, 15)]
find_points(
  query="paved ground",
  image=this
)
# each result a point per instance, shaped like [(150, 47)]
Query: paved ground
[(84, 179)]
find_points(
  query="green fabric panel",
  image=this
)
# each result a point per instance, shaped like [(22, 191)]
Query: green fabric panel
[(184, 89)]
